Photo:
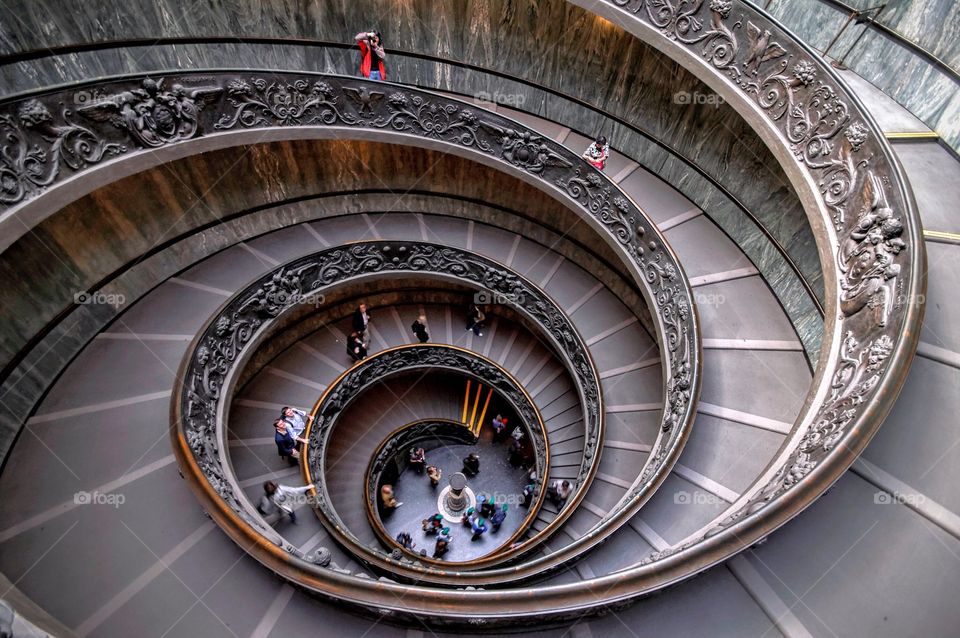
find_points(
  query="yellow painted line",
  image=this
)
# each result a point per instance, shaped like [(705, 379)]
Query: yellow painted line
[(466, 403), (476, 403), (940, 234), (918, 135), (483, 413)]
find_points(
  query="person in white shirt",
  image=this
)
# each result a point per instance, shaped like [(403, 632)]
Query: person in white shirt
[(282, 497), (297, 419)]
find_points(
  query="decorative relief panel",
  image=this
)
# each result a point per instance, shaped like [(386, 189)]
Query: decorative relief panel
[(862, 196)]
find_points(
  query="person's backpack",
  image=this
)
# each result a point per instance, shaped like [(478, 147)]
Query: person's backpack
[(416, 327)]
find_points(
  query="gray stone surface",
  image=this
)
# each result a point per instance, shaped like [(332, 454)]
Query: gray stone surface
[(730, 453), (935, 179), (704, 250), (766, 383), (918, 441), (741, 307), (847, 535)]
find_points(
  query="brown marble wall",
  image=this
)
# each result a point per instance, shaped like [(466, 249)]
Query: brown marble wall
[(549, 42), (116, 225)]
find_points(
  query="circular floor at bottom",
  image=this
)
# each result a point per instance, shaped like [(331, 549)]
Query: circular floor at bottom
[(497, 477)]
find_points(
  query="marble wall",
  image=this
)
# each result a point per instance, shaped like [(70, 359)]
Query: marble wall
[(919, 86), (551, 43), (112, 227), (138, 197)]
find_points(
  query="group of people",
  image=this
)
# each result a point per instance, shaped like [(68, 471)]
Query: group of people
[(417, 461), (288, 433), (434, 526), (517, 454), (372, 66), (476, 518), (358, 341)]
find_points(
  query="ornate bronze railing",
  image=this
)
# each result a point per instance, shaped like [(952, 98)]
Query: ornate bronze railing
[(49, 145), (851, 187), (349, 387), (864, 216), (230, 336), (865, 219)]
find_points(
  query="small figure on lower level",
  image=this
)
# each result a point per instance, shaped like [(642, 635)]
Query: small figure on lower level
[(498, 517), (443, 541), (468, 516), (499, 428), (475, 319), (283, 497), (433, 524), (478, 527), (406, 541), (286, 441), (486, 507), (355, 347), (559, 491), (418, 459), (597, 153), (435, 474), (471, 464), (516, 453), (528, 494), (387, 497), (419, 328)]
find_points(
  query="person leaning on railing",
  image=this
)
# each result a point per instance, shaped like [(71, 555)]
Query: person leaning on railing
[(597, 153), (296, 418)]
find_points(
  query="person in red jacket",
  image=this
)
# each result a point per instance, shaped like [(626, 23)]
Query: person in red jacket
[(372, 55)]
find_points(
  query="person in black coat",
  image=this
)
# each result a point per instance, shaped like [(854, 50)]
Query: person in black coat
[(360, 319), (475, 319), (471, 464), (419, 327)]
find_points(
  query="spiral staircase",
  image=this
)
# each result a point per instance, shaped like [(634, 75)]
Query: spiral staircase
[(702, 339)]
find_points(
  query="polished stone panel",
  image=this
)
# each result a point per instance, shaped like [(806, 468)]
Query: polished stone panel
[(923, 89)]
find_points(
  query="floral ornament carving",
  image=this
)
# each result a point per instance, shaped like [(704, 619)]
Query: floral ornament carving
[(680, 20), (411, 113), (760, 48), (279, 103), (35, 146), (153, 115), (662, 277), (525, 149), (820, 125), (147, 114)]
